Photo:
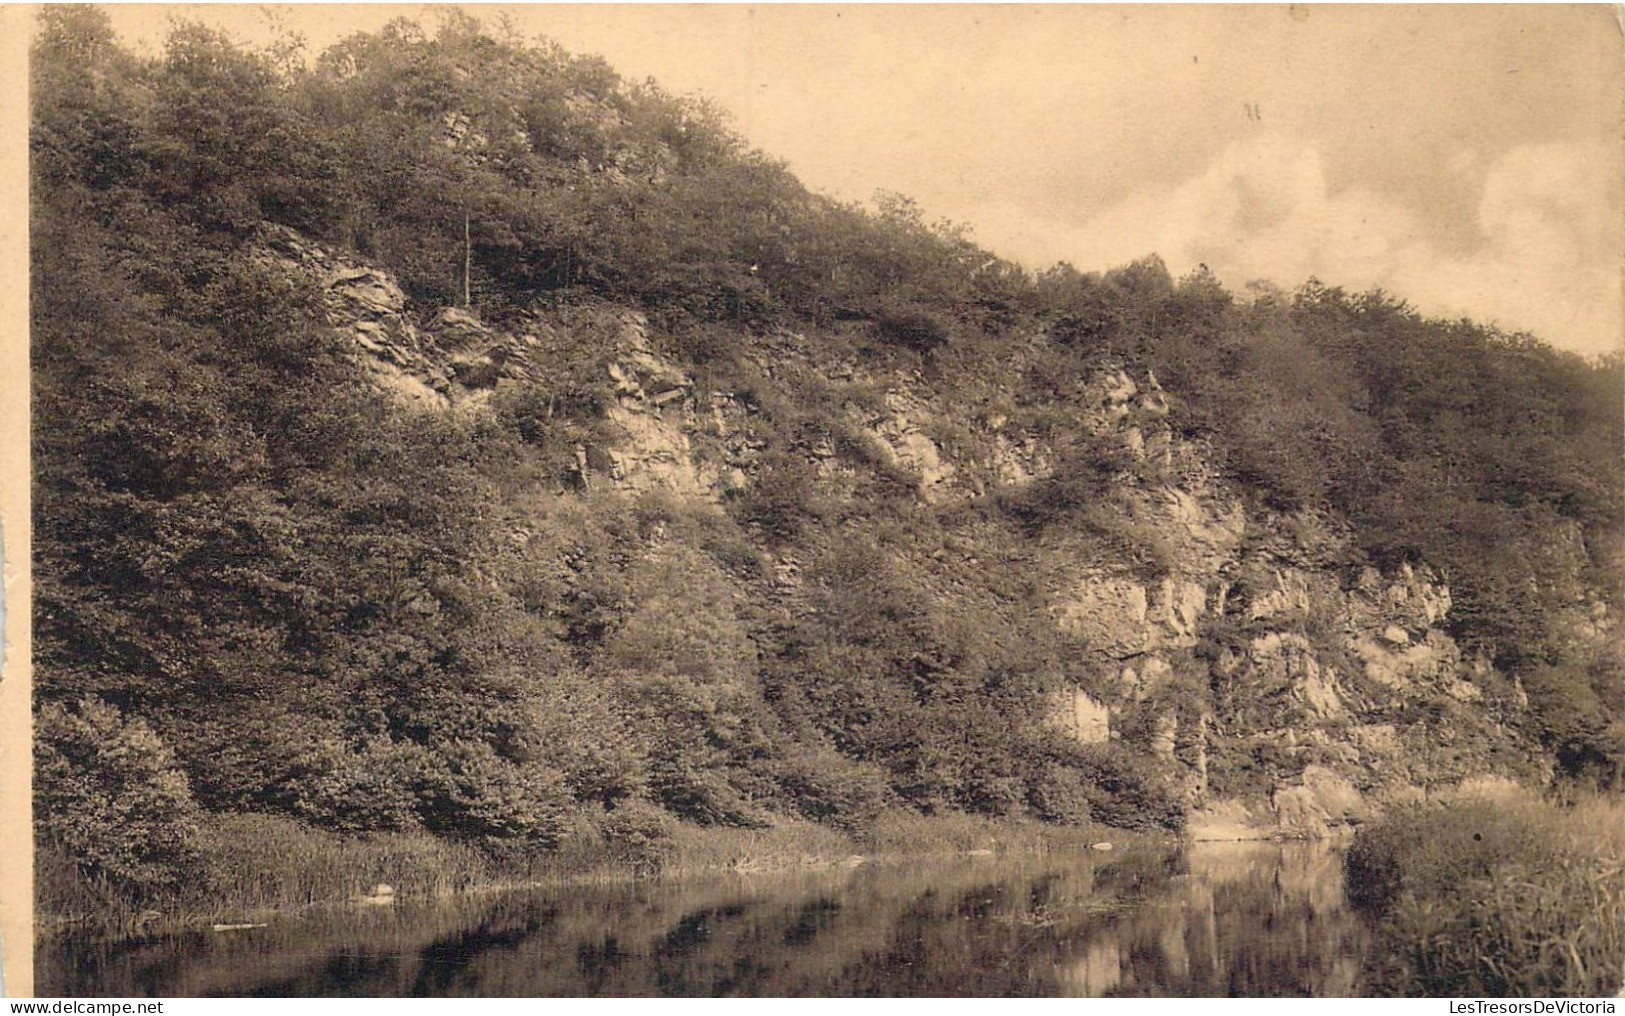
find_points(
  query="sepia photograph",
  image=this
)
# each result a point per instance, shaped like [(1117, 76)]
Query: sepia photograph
[(801, 500)]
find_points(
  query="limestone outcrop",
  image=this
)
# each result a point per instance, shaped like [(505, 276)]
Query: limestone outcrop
[(1280, 682)]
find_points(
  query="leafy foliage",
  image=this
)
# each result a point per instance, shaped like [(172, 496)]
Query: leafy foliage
[(262, 587), (113, 797)]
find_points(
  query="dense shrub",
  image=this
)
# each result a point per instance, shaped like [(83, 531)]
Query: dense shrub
[(363, 790), (638, 834), (690, 783), (1429, 850), (911, 326), (1495, 898), (1060, 793), (830, 788), (1124, 789), (1570, 718), (784, 501), (110, 793), (466, 791)]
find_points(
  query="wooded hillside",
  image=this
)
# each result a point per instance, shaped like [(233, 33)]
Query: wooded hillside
[(264, 585)]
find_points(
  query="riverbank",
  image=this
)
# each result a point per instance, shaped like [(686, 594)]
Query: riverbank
[(1148, 918), (254, 866), (1507, 897)]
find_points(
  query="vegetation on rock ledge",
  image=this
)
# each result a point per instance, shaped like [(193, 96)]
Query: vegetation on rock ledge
[(263, 587)]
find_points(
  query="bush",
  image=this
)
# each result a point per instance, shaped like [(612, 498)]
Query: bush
[(1429, 850), (910, 325), (108, 791), (363, 790), (785, 500), (1124, 789), (638, 834), (592, 746), (1080, 493), (689, 784), (1572, 721), (827, 787), (466, 791), (1059, 794)]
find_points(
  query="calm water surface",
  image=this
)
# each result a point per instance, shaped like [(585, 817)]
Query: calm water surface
[(1213, 919)]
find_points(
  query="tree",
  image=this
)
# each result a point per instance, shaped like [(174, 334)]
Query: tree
[(111, 795)]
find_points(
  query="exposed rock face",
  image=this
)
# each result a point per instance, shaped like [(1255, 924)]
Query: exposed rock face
[(1284, 665), (1320, 803), (900, 434), (452, 359), (1286, 596), (1229, 820), (1124, 617), (1111, 393), (1205, 528), (366, 303), (1013, 461), (654, 413), (653, 452), (1110, 613), (1217, 637), (1413, 599), (1079, 715), (1400, 667), (1299, 655)]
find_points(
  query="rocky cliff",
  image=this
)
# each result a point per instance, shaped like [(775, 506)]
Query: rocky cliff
[(448, 438), (1285, 685)]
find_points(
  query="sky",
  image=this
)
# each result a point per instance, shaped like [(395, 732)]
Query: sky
[(1466, 158)]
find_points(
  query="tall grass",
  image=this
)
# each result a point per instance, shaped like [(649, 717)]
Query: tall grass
[(254, 864), (913, 834), (260, 861), (793, 844), (1514, 897)]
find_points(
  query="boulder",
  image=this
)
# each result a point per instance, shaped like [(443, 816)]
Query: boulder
[(1080, 716), (365, 291), (1321, 803), (1228, 820)]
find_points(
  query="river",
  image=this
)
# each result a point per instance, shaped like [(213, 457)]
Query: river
[(1240, 919)]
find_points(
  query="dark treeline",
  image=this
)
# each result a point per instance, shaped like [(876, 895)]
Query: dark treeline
[(260, 587)]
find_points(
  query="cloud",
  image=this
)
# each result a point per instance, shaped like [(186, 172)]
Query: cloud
[(1550, 258), (1546, 260)]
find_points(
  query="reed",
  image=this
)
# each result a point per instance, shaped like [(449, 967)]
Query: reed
[(785, 846), (265, 861), (251, 864), (254, 864), (1515, 897)]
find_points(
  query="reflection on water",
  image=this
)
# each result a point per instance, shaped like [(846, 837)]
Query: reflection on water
[(1213, 919)]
